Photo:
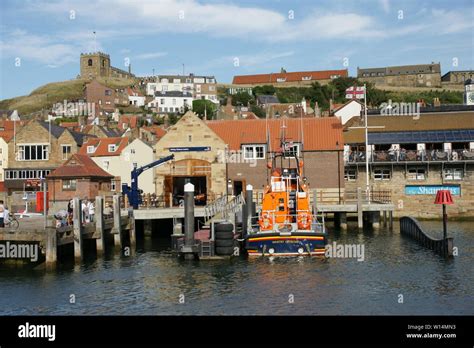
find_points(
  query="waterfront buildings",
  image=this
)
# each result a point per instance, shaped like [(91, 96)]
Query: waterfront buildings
[(414, 156)]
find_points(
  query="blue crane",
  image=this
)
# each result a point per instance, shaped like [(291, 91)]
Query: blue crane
[(133, 192)]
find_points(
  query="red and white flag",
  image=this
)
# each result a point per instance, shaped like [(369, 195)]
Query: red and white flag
[(355, 92)]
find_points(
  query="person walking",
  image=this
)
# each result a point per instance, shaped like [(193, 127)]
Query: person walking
[(2, 211), (91, 208)]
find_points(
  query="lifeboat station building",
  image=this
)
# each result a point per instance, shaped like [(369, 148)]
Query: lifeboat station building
[(222, 157)]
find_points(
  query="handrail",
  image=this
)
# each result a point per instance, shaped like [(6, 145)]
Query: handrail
[(411, 227), (410, 156)]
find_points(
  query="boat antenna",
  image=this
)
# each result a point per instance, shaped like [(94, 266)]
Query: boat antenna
[(302, 138)]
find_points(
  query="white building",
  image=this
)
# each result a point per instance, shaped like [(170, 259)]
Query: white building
[(201, 87), (3, 156), (135, 97), (118, 157), (348, 110), (171, 102)]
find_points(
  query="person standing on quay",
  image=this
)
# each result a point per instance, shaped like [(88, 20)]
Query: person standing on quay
[(2, 211), (91, 207)]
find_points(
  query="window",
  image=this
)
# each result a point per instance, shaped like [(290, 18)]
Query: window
[(254, 151), (292, 150), (162, 101), (453, 174), (164, 88), (174, 101), (112, 148), (113, 185), (416, 174), (69, 185), (90, 149), (190, 138), (350, 174), (66, 151), (132, 151), (33, 152), (382, 174), (212, 88), (89, 62), (105, 164), (108, 92)]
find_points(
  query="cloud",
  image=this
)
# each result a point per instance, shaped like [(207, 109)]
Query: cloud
[(385, 4)]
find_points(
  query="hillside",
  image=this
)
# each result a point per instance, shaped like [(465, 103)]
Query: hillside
[(56, 92)]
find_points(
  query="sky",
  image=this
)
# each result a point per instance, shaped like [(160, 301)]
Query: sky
[(41, 41)]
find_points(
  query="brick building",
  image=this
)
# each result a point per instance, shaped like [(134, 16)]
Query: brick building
[(80, 177), (421, 75), (105, 99)]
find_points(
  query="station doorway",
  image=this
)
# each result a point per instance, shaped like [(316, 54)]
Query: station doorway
[(174, 189)]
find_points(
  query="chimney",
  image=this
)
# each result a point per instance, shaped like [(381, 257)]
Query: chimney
[(81, 119)]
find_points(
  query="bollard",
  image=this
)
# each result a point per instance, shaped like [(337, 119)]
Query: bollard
[(360, 218), (188, 248), (249, 207)]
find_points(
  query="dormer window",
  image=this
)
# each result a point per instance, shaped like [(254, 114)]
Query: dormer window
[(90, 149), (112, 148), (281, 79)]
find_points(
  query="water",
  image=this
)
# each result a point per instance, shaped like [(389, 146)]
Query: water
[(151, 282)]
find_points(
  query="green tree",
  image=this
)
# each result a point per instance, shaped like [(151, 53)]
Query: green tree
[(257, 110), (266, 89), (242, 98), (203, 106)]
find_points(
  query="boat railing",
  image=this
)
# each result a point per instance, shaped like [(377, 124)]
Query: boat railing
[(253, 223)]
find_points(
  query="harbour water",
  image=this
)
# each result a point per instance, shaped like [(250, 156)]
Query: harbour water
[(153, 281)]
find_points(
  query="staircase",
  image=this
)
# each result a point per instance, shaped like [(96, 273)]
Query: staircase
[(221, 209)]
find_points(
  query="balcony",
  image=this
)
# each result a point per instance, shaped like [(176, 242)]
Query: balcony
[(404, 156)]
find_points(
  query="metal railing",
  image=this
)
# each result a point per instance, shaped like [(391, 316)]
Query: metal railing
[(350, 196), (223, 206), (410, 156), (317, 222)]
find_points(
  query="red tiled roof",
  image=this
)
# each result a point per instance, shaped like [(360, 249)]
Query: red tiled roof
[(9, 125), (102, 146), (129, 121), (134, 92), (6, 135), (79, 166), (156, 130), (290, 77), (319, 133), (69, 124)]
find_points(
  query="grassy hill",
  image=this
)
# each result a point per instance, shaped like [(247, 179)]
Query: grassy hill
[(56, 92)]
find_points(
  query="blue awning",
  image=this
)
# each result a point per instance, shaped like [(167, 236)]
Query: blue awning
[(444, 136)]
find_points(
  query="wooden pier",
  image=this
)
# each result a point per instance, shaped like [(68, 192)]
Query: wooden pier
[(105, 231)]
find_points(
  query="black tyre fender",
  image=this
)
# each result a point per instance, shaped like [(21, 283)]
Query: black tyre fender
[(224, 250), (224, 243), (224, 227), (223, 235)]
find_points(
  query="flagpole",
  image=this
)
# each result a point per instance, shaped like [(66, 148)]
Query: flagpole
[(367, 189)]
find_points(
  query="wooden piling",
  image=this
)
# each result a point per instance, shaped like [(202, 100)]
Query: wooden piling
[(51, 248), (390, 220), (132, 231), (360, 217), (77, 227), (99, 224), (117, 222)]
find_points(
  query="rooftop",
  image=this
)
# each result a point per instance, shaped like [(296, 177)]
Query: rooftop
[(289, 76), (79, 166), (101, 146), (320, 134)]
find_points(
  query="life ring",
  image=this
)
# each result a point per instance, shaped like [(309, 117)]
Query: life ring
[(304, 221), (265, 221)]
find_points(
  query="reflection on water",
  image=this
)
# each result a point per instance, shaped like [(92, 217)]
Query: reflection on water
[(152, 281)]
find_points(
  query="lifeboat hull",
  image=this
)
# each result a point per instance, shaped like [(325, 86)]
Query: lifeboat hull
[(288, 244)]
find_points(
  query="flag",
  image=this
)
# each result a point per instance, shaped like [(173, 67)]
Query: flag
[(355, 92)]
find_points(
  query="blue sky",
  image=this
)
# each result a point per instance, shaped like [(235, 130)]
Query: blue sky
[(208, 36)]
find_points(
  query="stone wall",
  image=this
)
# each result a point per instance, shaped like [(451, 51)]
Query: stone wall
[(408, 80)]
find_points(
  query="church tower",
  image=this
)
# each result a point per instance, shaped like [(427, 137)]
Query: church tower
[(94, 65)]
